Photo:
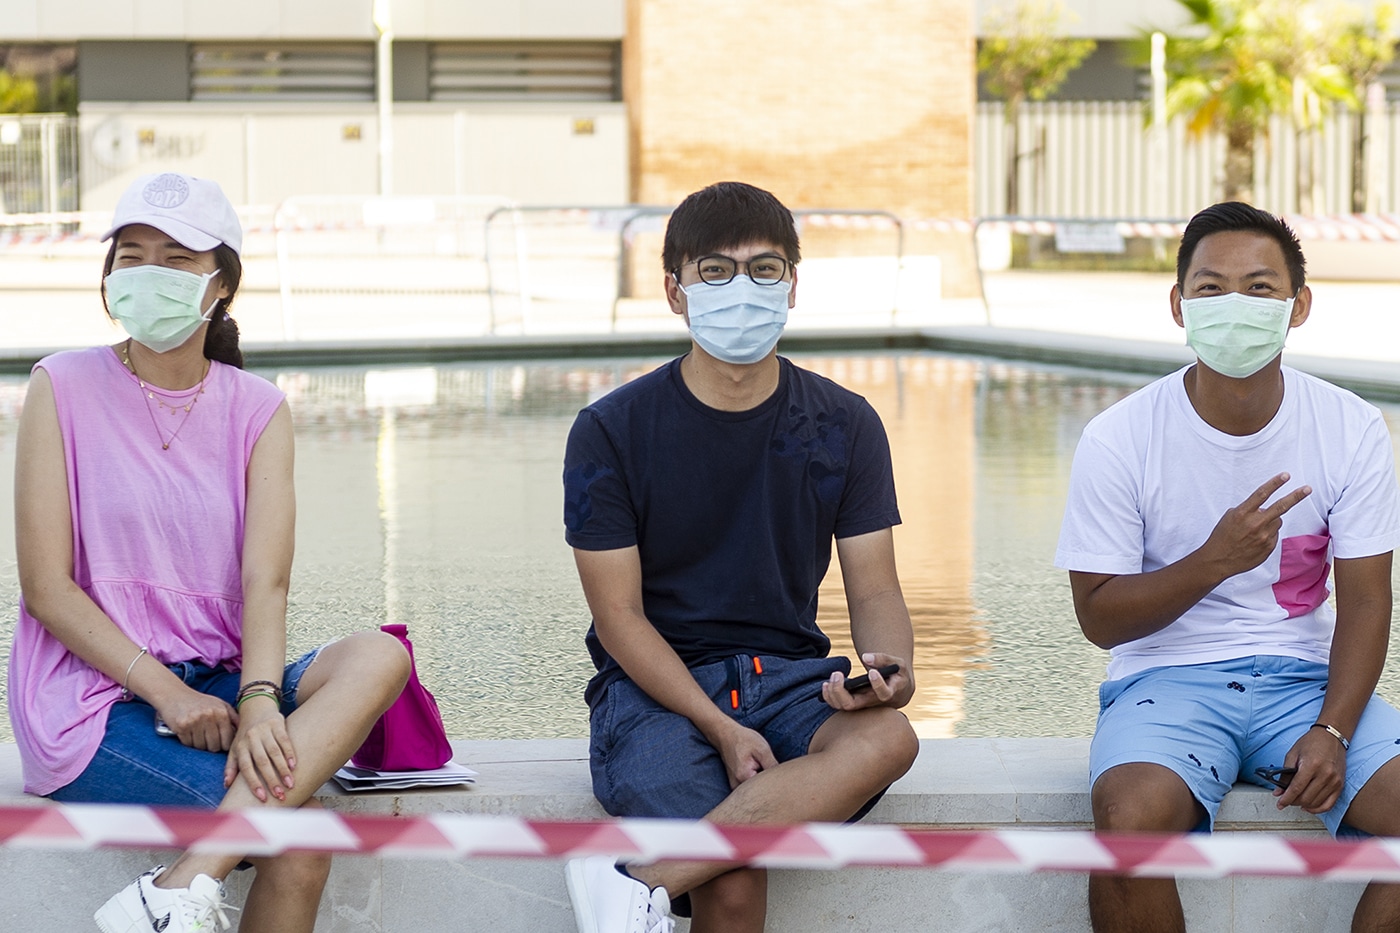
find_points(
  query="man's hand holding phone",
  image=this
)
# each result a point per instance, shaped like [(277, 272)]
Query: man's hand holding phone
[(1320, 763), (877, 686)]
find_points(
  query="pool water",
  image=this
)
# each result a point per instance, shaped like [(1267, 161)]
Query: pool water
[(431, 496)]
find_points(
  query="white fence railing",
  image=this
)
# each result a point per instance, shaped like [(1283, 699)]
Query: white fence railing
[(38, 163), (1078, 159), (422, 267), (1095, 159)]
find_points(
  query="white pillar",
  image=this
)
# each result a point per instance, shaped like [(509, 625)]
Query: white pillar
[(384, 64), (1377, 135), (1157, 139)]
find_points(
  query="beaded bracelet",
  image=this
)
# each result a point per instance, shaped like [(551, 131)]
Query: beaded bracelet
[(1332, 731), (244, 697), (253, 685)]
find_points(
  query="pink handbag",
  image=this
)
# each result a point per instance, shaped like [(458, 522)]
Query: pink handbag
[(409, 736)]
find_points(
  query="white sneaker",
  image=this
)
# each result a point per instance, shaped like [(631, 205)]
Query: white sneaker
[(607, 901), (141, 907)]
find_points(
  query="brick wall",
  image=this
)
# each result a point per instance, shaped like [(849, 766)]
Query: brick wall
[(827, 103)]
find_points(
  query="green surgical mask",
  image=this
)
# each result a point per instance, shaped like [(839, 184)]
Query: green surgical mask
[(159, 307), (1236, 335)]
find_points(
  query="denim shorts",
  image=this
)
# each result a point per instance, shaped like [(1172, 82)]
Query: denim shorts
[(135, 765), (648, 761), (1213, 724)]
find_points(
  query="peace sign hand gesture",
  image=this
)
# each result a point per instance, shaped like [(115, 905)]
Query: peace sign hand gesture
[(1246, 535)]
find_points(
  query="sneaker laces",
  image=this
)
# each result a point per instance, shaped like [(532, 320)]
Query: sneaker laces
[(659, 922), (658, 919), (197, 909)]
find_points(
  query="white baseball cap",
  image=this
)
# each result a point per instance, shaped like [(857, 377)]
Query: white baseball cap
[(192, 210)]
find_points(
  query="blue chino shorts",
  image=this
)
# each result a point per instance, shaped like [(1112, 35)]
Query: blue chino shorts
[(135, 765), (1213, 724)]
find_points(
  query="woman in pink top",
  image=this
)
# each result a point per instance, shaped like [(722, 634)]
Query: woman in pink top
[(154, 523)]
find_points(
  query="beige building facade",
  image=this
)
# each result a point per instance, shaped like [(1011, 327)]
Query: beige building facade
[(839, 103), (832, 104)]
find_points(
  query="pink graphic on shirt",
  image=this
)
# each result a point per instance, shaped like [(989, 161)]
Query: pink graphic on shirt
[(1302, 575)]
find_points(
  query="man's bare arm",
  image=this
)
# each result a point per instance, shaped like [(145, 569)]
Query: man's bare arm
[(880, 625), (1359, 645), (612, 584), (1114, 609)]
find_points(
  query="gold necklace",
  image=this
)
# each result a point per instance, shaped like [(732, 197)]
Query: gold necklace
[(150, 394)]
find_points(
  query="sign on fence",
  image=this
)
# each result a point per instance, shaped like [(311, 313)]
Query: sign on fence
[(1088, 238)]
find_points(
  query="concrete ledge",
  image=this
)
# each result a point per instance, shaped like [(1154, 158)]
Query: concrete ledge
[(1373, 379), (20, 360), (1376, 380), (956, 783)]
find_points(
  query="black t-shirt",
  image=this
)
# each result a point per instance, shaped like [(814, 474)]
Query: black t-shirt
[(732, 513)]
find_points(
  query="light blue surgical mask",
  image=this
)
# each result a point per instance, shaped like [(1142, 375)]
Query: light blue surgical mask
[(738, 322), (1236, 335), (160, 308)]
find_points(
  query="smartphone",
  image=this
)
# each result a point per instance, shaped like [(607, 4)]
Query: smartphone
[(862, 681), (162, 728), (1279, 777)]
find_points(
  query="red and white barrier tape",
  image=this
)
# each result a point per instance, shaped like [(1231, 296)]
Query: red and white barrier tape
[(1340, 227), (811, 845)]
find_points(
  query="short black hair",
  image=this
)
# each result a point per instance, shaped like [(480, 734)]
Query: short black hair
[(726, 215), (1236, 215)]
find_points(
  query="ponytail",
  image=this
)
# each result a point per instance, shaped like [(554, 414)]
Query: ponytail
[(221, 339)]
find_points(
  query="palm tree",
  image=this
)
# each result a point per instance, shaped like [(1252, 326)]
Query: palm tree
[(1304, 39), (1025, 57), (1227, 80)]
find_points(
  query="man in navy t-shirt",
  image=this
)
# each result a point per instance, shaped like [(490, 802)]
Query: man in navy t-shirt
[(701, 501)]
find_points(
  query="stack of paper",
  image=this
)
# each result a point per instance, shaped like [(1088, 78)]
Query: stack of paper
[(352, 778)]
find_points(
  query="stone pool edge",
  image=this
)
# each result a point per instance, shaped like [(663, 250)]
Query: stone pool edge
[(1375, 379), (990, 783)]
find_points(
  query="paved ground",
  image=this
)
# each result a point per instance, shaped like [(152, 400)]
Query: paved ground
[(50, 301), (1350, 320)]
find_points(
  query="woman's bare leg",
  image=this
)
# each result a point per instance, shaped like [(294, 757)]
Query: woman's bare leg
[(286, 891), (342, 693)]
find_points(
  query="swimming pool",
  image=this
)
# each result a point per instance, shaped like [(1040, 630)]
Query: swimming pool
[(431, 496)]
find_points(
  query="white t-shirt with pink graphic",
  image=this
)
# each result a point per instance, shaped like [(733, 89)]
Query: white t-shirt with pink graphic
[(1151, 479)]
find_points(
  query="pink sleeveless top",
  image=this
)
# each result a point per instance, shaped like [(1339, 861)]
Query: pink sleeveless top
[(157, 543)]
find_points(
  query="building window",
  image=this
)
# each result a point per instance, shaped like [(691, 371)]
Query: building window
[(282, 72), (520, 71)]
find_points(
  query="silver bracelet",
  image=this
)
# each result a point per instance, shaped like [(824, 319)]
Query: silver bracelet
[(126, 681), (1332, 731)]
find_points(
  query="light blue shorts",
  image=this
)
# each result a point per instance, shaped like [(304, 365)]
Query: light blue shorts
[(135, 765), (1215, 723)]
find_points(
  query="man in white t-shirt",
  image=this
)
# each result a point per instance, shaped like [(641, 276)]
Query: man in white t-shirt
[(1205, 512)]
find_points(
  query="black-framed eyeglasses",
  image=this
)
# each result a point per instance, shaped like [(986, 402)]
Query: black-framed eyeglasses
[(720, 270)]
